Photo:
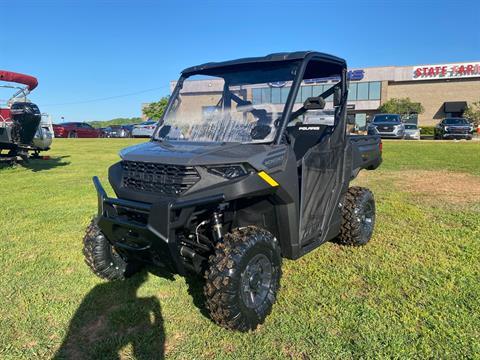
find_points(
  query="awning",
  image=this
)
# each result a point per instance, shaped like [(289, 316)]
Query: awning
[(454, 106)]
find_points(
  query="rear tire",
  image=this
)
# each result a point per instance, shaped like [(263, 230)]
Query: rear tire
[(358, 217), (102, 258), (72, 135), (243, 278)]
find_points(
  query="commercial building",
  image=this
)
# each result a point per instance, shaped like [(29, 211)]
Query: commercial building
[(443, 89)]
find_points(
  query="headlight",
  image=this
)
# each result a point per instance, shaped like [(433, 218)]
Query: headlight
[(446, 128), (228, 171)]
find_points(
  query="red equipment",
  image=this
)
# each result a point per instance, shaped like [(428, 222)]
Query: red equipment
[(20, 120), (18, 78)]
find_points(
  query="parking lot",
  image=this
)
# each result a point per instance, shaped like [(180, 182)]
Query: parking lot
[(412, 292)]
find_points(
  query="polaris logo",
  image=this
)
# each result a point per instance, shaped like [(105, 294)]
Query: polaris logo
[(308, 128)]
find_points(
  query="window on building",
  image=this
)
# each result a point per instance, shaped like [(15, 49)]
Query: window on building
[(362, 91), (352, 92), (284, 94), (317, 90), (356, 91), (306, 92), (257, 96), (276, 96), (266, 95), (375, 89)]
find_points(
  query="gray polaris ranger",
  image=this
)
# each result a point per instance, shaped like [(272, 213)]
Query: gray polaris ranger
[(235, 179)]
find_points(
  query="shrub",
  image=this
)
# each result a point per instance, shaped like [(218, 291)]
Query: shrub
[(427, 130)]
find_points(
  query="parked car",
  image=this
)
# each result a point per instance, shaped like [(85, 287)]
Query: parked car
[(116, 131), (387, 126), (229, 196), (128, 128), (412, 132), (76, 130), (144, 129), (453, 128)]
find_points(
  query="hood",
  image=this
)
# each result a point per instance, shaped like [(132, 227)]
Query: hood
[(197, 153)]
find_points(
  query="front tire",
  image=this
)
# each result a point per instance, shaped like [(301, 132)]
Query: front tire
[(243, 278), (102, 258), (358, 217)]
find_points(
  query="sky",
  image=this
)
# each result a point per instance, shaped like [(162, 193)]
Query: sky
[(98, 60)]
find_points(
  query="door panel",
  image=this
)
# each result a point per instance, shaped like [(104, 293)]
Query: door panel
[(322, 174)]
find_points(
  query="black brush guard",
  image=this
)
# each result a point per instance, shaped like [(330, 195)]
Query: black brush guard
[(141, 228)]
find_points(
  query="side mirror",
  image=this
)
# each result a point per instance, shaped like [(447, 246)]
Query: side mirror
[(337, 96), (350, 120), (260, 132), (314, 103)]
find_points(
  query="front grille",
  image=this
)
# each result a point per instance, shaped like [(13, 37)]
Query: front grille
[(385, 128), (454, 130), (163, 179)]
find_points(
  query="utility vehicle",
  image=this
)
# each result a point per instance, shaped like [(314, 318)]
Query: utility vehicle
[(21, 126), (233, 182)]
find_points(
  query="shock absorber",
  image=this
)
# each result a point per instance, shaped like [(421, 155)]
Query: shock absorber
[(217, 226)]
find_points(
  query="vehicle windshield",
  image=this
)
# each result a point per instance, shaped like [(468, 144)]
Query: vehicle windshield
[(150, 122), (456, 121), (410, 127), (386, 118), (236, 104)]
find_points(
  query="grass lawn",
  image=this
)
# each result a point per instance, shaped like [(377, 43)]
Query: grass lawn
[(413, 291)]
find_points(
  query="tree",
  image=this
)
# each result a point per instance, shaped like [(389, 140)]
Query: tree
[(472, 113), (402, 106), (155, 110)]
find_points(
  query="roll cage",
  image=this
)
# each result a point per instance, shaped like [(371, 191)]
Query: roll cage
[(309, 65)]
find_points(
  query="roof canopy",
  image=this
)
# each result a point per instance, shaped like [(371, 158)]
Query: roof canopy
[(321, 64), (11, 76)]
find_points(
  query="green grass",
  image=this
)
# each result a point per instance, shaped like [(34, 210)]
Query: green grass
[(412, 292)]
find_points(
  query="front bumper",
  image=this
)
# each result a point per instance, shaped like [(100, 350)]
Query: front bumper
[(412, 136), (395, 134), (457, 135), (148, 231), (391, 135)]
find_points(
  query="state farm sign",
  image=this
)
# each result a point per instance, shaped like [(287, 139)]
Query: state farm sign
[(447, 71)]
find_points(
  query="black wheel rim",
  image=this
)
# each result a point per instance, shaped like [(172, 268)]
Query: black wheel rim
[(256, 280), (367, 218)]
